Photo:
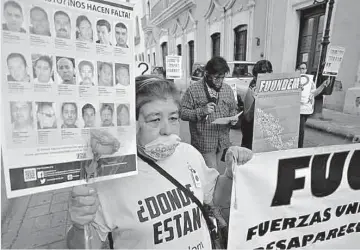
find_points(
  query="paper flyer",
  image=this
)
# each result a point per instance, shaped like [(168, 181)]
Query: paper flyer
[(67, 84), (334, 57), (226, 120), (277, 112), (173, 67)]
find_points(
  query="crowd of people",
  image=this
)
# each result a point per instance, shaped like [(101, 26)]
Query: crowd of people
[(150, 211)]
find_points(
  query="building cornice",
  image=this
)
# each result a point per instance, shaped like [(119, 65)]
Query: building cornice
[(164, 32), (172, 11), (215, 4), (176, 27), (189, 18)]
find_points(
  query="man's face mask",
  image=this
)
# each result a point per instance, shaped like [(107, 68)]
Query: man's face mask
[(215, 81), (162, 147)]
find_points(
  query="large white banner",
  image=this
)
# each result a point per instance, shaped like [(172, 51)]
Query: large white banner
[(301, 198), (67, 87)]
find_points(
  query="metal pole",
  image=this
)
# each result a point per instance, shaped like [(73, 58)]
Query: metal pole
[(326, 41)]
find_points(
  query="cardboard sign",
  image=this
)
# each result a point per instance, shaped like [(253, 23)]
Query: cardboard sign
[(334, 57), (173, 67)]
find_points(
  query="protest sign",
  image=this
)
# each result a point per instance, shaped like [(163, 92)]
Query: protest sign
[(307, 97), (173, 67), (334, 57), (67, 91), (277, 112), (300, 198)]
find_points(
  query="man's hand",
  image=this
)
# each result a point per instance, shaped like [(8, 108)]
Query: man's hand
[(326, 83), (237, 155), (234, 121), (209, 108), (83, 206)]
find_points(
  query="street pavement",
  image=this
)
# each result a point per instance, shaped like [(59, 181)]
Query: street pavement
[(40, 221)]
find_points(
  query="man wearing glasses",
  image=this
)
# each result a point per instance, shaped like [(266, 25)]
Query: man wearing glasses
[(205, 101), (46, 115)]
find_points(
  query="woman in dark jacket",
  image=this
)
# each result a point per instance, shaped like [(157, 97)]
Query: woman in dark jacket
[(247, 124)]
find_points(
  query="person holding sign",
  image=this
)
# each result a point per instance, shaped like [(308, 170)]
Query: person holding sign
[(308, 94), (247, 124), (205, 101), (143, 218)]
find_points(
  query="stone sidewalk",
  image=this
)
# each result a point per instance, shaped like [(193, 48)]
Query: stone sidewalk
[(339, 124), (37, 222)]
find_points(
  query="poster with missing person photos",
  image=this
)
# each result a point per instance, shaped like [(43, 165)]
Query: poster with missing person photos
[(67, 91)]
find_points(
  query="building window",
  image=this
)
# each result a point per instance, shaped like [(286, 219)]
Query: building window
[(215, 38), (191, 55), (143, 57), (164, 52), (149, 58), (240, 40), (310, 37), (154, 57), (178, 49)]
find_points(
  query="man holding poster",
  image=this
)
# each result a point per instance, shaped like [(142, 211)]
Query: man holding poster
[(205, 101), (308, 94)]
